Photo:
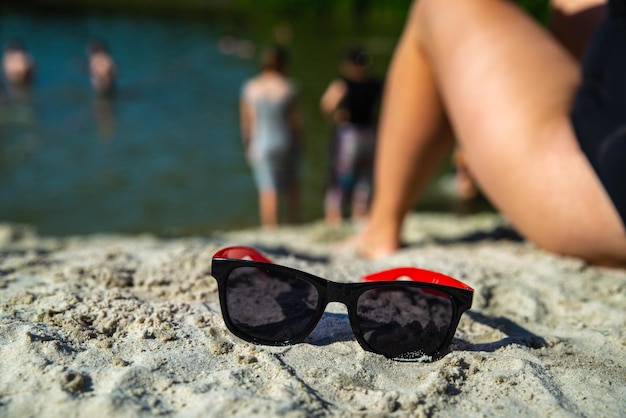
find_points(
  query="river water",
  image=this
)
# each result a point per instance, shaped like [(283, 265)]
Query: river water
[(165, 155)]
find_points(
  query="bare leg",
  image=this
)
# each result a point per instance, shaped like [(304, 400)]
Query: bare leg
[(572, 23), (360, 203), (518, 136), (268, 206), (333, 215), (464, 182), (507, 86), (412, 141)]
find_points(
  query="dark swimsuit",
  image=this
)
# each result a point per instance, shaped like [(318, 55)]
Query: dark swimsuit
[(599, 112)]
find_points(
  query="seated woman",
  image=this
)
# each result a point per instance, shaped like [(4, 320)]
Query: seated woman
[(545, 142)]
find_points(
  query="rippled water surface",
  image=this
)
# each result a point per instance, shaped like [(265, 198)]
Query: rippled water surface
[(165, 154)]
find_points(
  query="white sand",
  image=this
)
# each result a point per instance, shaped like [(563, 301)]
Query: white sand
[(115, 326)]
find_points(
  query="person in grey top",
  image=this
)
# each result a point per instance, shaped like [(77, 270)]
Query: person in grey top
[(270, 127)]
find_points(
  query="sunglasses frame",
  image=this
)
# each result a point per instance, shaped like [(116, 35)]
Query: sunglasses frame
[(459, 294)]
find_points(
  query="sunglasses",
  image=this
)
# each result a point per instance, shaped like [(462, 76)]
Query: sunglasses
[(269, 304)]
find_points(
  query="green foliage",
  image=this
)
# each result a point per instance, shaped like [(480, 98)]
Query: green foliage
[(299, 8), (539, 9), (338, 11)]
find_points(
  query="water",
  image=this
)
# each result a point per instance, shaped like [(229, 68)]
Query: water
[(165, 155)]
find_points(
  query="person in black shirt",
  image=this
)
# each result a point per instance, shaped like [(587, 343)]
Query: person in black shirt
[(351, 102)]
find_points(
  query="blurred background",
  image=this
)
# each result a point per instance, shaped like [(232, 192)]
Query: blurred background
[(164, 155)]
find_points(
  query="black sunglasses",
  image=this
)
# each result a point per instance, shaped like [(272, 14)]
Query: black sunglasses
[(265, 303)]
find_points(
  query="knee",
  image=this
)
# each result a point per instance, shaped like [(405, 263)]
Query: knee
[(423, 14), (415, 17), (422, 10)]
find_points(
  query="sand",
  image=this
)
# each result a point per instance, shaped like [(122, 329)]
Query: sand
[(121, 326)]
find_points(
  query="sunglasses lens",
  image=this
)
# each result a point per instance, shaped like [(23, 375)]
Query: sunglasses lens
[(270, 305), (404, 322)]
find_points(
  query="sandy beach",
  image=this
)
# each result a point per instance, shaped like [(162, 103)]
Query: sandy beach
[(123, 326)]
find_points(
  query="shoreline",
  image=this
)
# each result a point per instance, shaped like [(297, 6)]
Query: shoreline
[(120, 325)]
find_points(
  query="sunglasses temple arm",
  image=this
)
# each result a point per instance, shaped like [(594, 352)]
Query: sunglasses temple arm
[(417, 275), (241, 253)]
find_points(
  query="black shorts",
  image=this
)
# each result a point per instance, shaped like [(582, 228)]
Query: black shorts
[(599, 112)]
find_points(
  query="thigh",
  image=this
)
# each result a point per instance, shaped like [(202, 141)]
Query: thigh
[(508, 87)]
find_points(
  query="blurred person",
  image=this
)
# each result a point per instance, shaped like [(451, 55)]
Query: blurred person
[(227, 44), (545, 141), (102, 68), (465, 185), (18, 68), (283, 33), (104, 114), (271, 125), (246, 49), (351, 102)]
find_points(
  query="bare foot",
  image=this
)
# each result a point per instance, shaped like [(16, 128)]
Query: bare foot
[(369, 244), (465, 186), (334, 221)]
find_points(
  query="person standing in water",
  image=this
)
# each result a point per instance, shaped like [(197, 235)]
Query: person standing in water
[(102, 69), (351, 102), (270, 126), (18, 68)]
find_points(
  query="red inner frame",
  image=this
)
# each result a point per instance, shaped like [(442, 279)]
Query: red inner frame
[(413, 273), (242, 253)]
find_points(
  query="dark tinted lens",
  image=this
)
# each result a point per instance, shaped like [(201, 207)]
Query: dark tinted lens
[(404, 322), (270, 305)]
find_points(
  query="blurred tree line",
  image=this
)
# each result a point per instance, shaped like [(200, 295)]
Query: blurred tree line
[(389, 11)]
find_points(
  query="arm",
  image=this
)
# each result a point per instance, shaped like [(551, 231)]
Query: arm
[(573, 22), (245, 119), (295, 119), (332, 97)]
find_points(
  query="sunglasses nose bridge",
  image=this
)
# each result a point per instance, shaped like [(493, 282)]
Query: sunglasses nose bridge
[(338, 292)]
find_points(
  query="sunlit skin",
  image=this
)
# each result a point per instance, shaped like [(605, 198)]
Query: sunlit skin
[(103, 72), (337, 89), (18, 67), (18, 70), (484, 73)]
